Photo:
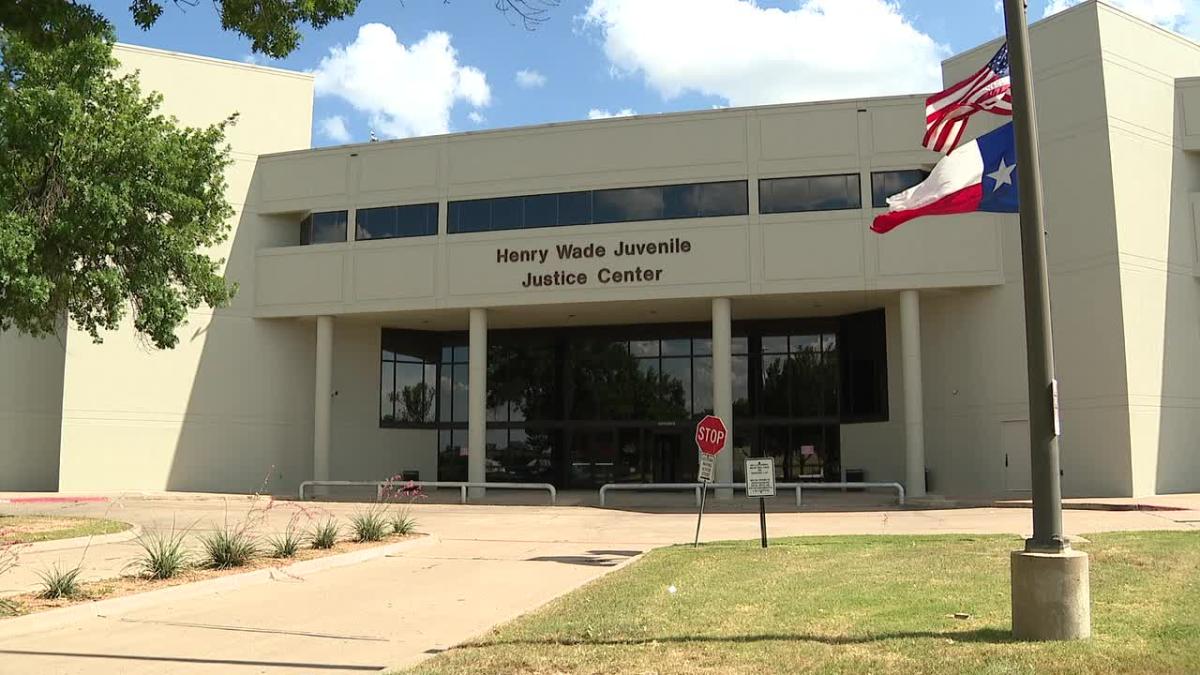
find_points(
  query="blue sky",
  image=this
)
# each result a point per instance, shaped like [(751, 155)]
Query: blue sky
[(426, 67)]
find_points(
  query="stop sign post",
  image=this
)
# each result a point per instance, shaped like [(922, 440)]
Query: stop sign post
[(711, 434)]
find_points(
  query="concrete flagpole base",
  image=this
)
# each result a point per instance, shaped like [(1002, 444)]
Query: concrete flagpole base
[(1051, 596)]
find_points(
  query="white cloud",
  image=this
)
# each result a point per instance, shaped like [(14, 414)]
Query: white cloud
[(476, 117), (334, 128), (605, 113), (530, 79), (1178, 15), (748, 54), (406, 91)]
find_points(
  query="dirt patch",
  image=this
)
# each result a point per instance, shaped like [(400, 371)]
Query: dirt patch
[(92, 591)]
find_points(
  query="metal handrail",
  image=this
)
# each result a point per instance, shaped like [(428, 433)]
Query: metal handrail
[(461, 485), (798, 487)]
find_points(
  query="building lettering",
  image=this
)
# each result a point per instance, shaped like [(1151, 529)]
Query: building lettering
[(561, 278)]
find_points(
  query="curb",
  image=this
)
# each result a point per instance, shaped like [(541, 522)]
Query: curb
[(52, 500), (113, 607), (133, 532)]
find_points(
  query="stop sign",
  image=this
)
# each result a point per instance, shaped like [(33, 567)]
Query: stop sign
[(711, 434)]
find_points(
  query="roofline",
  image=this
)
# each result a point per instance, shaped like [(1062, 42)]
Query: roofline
[(214, 61), (568, 124), (1098, 5)]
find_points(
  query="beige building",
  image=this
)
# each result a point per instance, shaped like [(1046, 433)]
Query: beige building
[(560, 303)]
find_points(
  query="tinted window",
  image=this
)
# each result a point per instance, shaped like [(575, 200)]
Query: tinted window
[(627, 204), (575, 208), (541, 211), (600, 206), (323, 228), (471, 216), (681, 201), (809, 193), (884, 184), (396, 221), (508, 213), (724, 199)]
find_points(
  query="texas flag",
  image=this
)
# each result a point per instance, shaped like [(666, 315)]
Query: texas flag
[(978, 176)]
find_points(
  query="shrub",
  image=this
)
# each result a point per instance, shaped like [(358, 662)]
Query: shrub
[(227, 548), (370, 525), (325, 534), (163, 554), (286, 544), (59, 583), (8, 607), (403, 522)]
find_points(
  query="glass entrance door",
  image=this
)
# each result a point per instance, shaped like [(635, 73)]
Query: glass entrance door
[(593, 456), (673, 463)]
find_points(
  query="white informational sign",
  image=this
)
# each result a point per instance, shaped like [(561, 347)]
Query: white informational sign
[(760, 477), (706, 468)]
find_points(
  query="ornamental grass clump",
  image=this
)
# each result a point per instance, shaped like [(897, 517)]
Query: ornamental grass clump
[(228, 548), (59, 583), (403, 522), (287, 543), (163, 556), (324, 534), (370, 525)]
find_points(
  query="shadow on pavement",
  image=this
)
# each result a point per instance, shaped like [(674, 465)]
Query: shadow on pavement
[(592, 559), (985, 635), (184, 659)]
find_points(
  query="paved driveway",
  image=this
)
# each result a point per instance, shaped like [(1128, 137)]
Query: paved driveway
[(481, 566)]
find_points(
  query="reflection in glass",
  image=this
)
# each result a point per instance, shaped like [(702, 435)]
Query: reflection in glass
[(702, 389), (326, 227), (387, 388), (677, 374), (809, 193), (396, 221), (884, 184)]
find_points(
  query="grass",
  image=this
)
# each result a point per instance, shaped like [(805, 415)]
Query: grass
[(403, 522), (324, 534), (31, 529), (371, 525), (59, 583), (852, 605), (163, 556), (228, 547), (286, 544)]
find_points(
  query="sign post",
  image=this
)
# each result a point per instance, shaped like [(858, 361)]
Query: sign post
[(710, 439), (760, 482)]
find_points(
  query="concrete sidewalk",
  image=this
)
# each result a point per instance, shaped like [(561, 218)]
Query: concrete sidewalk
[(488, 565)]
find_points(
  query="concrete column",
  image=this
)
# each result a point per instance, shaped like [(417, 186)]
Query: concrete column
[(477, 409), (323, 399), (722, 369), (914, 404)]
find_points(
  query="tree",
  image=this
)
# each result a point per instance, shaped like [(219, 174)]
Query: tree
[(272, 26), (106, 205)]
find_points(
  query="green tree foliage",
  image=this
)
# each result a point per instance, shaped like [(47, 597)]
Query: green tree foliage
[(106, 205), (272, 26)]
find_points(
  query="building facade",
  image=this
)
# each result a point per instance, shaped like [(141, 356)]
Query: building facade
[(561, 303)]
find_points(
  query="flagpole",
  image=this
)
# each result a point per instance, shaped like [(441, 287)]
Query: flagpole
[(1047, 491), (1050, 588)]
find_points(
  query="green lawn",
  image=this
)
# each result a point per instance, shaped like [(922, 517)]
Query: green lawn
[(29, 529), (852, 605)]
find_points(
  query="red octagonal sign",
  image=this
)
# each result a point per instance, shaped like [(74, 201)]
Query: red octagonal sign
[(711, 434)]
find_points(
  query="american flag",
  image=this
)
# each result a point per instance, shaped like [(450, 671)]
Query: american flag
[(946, 113)]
